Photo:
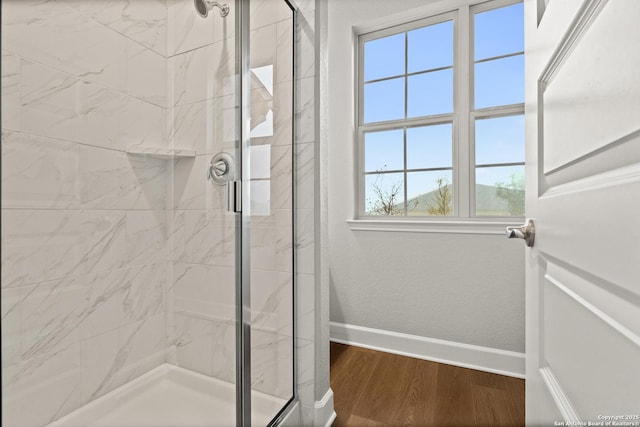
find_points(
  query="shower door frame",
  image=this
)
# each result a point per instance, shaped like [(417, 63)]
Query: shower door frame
[(243, 220)]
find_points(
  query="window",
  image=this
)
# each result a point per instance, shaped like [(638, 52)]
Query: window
[(441, 115)]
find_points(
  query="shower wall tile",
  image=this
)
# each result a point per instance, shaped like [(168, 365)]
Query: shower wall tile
[(142, 345), (210, 70), (305, 113), (283, 114), (176, 79), (305, 48), (39, 245), (42, 245), (51, 315), (268, 12), (43, 389), (10, 90), (263, 48), (207, 237), (115, 180), (124, 296), (146, 237), (110, 360), (305, 296), (191, 189), (186, 30), (284, 240), (281, 177), (58, 105), (146, 74), (10, 299), (224, 351), (271, 362), (193, 126), (142, 123), (145, 22), (39, 172), (204, 291), (104, 239), (305, 178), (305, 248), (284, 56), (271, 301), (306, 373), (53, 34), (193, 340)]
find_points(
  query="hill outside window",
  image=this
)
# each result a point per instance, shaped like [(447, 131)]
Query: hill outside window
[(441, 115)]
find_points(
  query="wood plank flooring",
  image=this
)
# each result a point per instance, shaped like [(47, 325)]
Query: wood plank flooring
[(376, 389)]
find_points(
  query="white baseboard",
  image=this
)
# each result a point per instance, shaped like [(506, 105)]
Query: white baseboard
[(487, 359), (324, 415)]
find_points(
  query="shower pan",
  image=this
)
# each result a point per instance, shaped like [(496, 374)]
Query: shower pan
[(147, 213)]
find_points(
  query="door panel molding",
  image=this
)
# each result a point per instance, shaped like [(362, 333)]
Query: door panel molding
[(589, 353), (561, 400), (577, 86)]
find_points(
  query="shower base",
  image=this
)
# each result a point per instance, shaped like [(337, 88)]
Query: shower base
[(170, 396)]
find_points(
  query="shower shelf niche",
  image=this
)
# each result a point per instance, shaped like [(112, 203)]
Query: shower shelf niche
[(160, 152)]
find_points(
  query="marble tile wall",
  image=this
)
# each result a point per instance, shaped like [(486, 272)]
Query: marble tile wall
[(114, 263), (84, 227), (202, 234)]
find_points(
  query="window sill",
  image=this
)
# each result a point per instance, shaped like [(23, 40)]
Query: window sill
[(495, 227)]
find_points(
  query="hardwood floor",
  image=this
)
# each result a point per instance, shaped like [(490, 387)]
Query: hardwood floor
[(376, 389)]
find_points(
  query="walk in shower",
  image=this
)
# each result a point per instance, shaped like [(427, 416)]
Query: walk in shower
[(148, 213)]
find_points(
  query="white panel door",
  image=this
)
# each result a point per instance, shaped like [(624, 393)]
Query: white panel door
[(583, 189)]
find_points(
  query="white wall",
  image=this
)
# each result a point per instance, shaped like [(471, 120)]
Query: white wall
[(457, 287)]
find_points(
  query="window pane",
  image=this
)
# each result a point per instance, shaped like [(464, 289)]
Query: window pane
[(429, 147), (431, 47), (499, 82), (384, 100), (500, 191), (499, 32), (500, 140), (430, 193), (384, 57), (384, 194), (383, 151), (430, 93)]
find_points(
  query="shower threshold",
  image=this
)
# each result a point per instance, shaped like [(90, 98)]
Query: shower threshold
[(170, 396)]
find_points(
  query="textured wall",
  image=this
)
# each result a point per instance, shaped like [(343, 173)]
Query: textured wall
[(462, 288), (83, 223)]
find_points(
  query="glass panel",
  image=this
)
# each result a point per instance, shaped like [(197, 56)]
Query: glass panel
[(429, 146), (499, 82), (384, 57), (430, 193), (383, 151), (430, 93), (430, 47), (270, 215), (500, 140), (384, 100), (384, 194), (499, 32), (500, 191)]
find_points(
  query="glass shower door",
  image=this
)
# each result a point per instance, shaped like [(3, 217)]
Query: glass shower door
[(268, 209)]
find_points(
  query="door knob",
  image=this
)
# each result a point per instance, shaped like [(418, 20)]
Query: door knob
[(526, 232)]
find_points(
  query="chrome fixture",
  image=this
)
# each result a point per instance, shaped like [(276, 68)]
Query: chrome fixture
[(526, 232), (204, 6), (220, 169)]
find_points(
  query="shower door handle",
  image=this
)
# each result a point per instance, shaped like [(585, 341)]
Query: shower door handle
[(234, 196)]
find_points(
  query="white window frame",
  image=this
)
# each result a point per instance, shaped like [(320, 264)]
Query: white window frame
[(462, 119)]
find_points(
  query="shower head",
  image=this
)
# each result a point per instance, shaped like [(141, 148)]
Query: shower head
[(204, 6)]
